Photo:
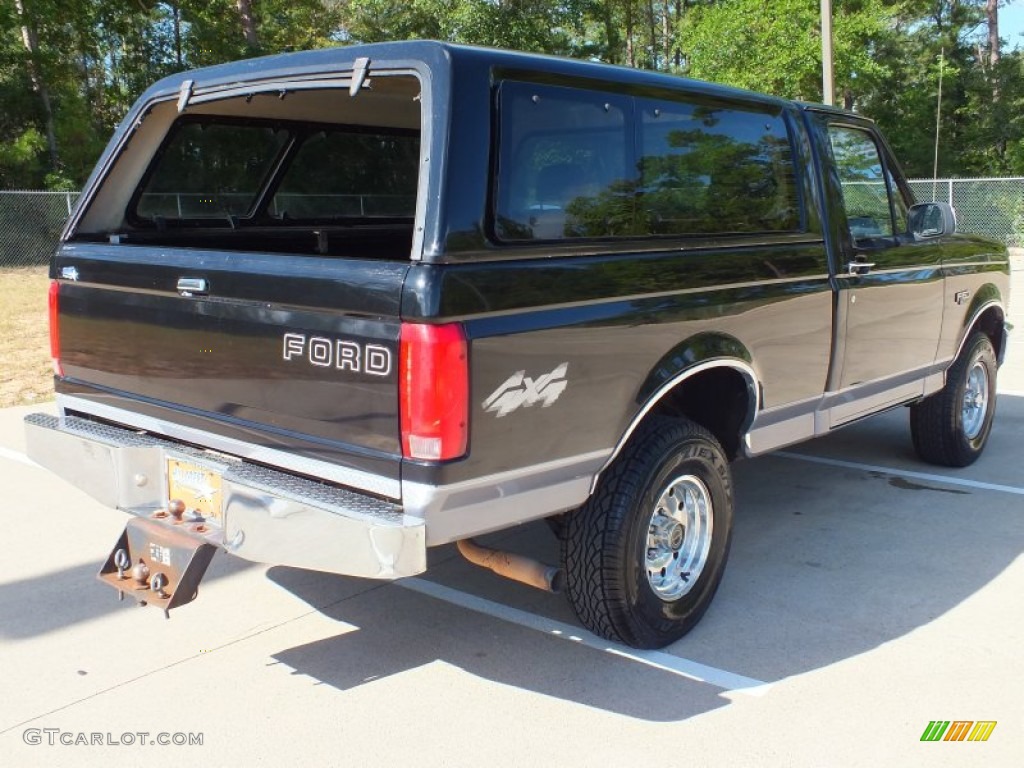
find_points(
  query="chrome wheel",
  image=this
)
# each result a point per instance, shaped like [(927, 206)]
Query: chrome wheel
[(663, 508), (679, 537), (975, 403)]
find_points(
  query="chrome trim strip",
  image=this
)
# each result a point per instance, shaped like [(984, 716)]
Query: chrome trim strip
[(646, 244), (890, 271), (992, 263), (626, 298), (632, 297), (753, 388), (354, 478)]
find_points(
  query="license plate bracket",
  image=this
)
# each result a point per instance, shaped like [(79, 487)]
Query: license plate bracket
[(200, 488)]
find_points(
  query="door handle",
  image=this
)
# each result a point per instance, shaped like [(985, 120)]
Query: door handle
[(192, 286), (860, 267)]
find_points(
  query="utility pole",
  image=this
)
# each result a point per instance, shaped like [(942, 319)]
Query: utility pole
[(827, 90), (938, 123)]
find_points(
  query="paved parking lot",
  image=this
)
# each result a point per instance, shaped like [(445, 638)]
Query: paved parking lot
[(866, 595)]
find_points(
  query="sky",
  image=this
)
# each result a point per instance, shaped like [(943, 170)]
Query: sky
[(1011, 24)]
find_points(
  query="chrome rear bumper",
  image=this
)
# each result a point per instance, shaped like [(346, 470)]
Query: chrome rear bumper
[(267, 516)]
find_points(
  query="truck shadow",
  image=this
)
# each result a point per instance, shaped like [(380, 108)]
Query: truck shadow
[(828, 562), (401, 631), (72, 595)]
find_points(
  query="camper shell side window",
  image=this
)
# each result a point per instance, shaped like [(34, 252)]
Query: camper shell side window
[(581, 164)]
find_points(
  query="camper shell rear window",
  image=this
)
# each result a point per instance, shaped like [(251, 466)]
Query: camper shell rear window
[(307, 166), (241, 172)]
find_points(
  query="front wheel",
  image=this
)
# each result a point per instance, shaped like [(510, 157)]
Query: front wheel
[(951, 427), (645, 554)]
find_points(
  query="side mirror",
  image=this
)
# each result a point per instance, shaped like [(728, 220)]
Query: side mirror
[(932, 220)]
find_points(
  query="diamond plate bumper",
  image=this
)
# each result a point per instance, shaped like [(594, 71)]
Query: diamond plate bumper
[(268, 516)]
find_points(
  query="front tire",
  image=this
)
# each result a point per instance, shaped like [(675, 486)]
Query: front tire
[(644, 555), (951, 427)]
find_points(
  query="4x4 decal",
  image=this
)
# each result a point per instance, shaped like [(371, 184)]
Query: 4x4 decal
[(521, 390)]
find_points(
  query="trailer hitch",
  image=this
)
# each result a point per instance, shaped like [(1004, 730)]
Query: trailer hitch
[(158, 564)]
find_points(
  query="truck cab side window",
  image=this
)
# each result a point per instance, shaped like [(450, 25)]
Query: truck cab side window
[(865, 183)]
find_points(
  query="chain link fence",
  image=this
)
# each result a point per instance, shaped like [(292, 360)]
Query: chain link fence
[(992, 207), (31, 221)]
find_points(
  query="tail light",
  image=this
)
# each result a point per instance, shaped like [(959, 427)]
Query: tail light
[(55, 327), (434, 391)]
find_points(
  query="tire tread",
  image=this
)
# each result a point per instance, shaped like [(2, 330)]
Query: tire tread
[(593, 562), (933, 421)]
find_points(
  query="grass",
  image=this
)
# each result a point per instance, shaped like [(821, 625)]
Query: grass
[(26, 375)]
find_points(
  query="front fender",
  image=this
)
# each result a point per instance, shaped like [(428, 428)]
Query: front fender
[(986, 311)]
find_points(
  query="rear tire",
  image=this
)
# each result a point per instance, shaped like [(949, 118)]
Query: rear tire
[(951, 427), (644, 555)]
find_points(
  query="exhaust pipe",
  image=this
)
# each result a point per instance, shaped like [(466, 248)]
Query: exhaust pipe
[(516, 567)]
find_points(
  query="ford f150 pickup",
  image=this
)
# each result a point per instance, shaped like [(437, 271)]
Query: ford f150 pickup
[(330, 309)]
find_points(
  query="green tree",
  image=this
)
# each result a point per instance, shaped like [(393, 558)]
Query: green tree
[(980, 125), (69, 69), (776, 47)]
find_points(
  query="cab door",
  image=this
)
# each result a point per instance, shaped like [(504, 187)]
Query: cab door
[(889, 287)]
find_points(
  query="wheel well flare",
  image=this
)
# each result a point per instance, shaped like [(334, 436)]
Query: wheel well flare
[(719, 399)]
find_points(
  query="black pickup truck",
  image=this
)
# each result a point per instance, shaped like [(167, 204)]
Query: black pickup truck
[(331, 309)]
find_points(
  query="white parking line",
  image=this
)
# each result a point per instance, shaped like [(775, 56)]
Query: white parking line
[(944, 479), (692, 670), (7, 453)]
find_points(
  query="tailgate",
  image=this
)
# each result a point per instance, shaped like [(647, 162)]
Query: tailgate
[(289, 352)]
